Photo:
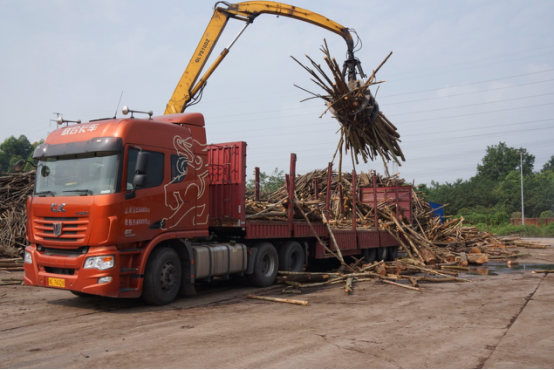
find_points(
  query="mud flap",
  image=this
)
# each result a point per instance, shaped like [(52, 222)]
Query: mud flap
[(252, 253)]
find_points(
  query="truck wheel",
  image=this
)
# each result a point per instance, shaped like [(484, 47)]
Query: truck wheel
[(370, 254), (265, 265), (382, 253), (291, 257), (162, 277), (392, 253)]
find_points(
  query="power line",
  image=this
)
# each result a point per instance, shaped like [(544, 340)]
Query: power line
[(476, 60), (462, 69), (273, 95), (388, 104)]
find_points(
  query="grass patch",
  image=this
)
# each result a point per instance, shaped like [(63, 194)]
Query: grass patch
[(521, 230)]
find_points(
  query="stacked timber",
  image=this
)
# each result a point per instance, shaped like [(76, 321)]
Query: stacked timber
[(426, 239), (14, 190)]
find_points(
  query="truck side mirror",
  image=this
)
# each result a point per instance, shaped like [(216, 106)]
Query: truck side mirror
[(141, 168), (19, 165), (139, 180)]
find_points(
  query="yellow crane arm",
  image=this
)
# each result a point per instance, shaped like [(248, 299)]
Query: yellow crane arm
[(189, 85)]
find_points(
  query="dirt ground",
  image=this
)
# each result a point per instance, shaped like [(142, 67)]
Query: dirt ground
[(497, 321)]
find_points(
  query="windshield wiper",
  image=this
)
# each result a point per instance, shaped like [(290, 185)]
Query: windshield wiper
[(43, 193), (89, 192)]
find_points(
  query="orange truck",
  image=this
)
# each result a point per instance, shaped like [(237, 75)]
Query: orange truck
[(131, 207)]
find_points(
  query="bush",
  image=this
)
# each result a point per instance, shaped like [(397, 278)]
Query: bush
[(548, 231), (516, 214), (521, 230), (499, 218)]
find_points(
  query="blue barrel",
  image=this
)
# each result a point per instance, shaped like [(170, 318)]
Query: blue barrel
[(437, 210)]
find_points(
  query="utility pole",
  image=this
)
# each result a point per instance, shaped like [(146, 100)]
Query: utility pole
[(521, 171)]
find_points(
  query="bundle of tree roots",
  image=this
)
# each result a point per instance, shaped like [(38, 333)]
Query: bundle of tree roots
[(364, 129), (14, 190)]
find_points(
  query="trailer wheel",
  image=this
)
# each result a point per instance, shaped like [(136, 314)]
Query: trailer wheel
[(265, 265), (162, 277), (291, 257), (370, 254), (382, 253), (392, 253)]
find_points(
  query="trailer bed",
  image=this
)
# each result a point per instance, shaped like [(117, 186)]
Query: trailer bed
[(227, 165)]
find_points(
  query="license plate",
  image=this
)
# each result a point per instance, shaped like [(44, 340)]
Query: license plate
[(59, 283)]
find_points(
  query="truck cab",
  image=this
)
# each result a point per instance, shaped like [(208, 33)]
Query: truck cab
[(106, 193)]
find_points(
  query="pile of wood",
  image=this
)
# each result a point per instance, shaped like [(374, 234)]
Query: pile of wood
[(11, 264), (515, 242), (14, 190), (364, 129), (275, 205), (408, 270)]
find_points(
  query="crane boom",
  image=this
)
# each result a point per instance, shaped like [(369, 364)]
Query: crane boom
[(189, 84)]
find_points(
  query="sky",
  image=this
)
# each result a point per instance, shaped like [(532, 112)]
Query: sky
[(464, 75)]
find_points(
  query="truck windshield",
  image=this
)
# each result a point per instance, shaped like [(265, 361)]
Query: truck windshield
[(77, 175)]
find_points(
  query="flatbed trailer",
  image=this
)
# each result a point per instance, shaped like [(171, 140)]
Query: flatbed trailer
[(228, 214)]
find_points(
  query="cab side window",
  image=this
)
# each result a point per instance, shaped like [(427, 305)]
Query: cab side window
[(155, 175)]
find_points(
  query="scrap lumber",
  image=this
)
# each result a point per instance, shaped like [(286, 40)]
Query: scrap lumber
[(364, 130), (281, 300), (14, 190)]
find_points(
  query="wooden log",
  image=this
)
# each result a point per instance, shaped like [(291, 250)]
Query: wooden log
[(348, 285), (281, 300), (508, 256), (401, 285), (308, 273), (428, 255), (535, 246), (463, 257), (435, 280), (463, 268), (305, 278), (477, 258), (441, 274)]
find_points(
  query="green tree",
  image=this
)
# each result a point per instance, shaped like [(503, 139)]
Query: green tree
[(500, 160), (548, 166), (268, 183), (12, 150)]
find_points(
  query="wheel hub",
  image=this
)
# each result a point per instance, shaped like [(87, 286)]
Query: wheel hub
[(268, 265), (167, 276)]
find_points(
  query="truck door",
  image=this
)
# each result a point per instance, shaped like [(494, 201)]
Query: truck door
[(143, 213)]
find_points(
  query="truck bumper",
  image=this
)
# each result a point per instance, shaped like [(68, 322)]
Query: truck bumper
[(66, 272)]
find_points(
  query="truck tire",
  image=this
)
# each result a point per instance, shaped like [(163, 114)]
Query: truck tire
[(291, 257), (370, 254), (382, 254), (392, 253), (265, 265), (162, 277)]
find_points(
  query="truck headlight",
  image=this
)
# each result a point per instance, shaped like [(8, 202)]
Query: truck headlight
[(100, 263), (28, 258)]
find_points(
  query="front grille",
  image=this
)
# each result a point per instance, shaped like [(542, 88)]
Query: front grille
[(71, 229), (65, 252), (55, 270)]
